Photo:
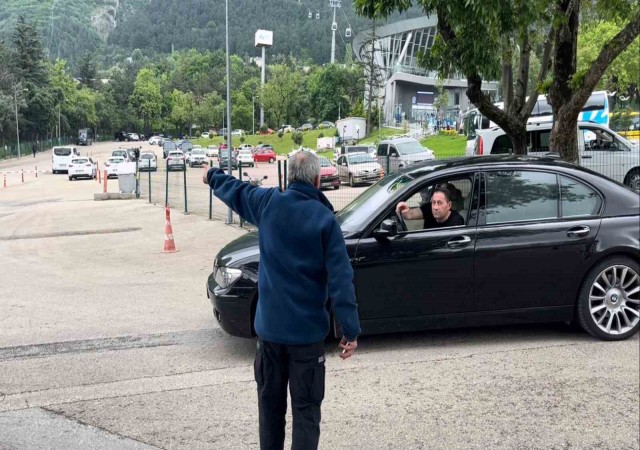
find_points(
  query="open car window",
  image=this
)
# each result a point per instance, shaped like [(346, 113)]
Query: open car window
[(461, 190)]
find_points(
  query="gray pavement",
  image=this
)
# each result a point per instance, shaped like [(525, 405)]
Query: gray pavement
[(108, 343)]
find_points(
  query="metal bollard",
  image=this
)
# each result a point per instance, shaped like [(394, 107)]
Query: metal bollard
[(186, 210), (240, 178), (166, 185), (22, 175), (149, 181), (106, 178), (279, 175)]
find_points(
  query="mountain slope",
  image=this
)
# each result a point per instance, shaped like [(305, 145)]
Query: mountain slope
[(72, 28)]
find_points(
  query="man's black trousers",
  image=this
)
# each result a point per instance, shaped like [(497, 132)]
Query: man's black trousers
[(302, 368)]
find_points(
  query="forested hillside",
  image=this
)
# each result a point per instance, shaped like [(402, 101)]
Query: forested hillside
[(200, 24), (113, 28)]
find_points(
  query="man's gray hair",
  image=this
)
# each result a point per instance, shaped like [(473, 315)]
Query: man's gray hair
[(304, 167)]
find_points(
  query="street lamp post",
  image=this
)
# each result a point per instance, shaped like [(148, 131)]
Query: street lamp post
[(15, 97), (253, 115)]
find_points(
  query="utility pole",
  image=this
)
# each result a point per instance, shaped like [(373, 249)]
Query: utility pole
[(334, 27)]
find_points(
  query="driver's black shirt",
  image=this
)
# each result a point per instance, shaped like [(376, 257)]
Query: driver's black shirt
[(453, 220)]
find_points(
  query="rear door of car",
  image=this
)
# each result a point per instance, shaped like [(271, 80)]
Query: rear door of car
[(535, 227)]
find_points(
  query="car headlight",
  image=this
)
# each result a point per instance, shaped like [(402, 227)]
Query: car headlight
[(226, 276)]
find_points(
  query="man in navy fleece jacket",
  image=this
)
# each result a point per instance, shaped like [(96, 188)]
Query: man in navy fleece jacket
[(303, 263)]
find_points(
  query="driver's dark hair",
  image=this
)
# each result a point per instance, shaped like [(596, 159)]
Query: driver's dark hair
[(444, 191)]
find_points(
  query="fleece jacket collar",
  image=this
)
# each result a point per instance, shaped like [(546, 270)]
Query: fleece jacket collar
[(312, 192)]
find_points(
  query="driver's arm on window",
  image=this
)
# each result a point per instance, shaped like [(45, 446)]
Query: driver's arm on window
[(407, 212)]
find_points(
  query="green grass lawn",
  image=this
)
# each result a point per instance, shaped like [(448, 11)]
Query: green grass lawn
[(443, 146), (282, 145)]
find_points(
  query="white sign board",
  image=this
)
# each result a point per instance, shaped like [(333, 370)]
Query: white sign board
[(264, 38)]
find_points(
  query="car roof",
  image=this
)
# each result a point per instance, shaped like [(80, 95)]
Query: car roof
[(490, 162), (398, 140)]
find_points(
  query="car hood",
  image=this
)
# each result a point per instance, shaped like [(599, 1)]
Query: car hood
[(327, 171), (239, 251), (366, 167)]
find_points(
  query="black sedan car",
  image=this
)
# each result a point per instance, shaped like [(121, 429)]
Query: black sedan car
[(543, 241), (223, 160)]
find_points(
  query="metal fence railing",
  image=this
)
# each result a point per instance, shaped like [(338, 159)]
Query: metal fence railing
[(26, 147)]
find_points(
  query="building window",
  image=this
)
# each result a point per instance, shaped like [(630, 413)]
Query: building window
[(456, 98)]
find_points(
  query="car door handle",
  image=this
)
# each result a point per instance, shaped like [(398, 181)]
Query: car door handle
[(587, 157), (459, 242), (581, 231)]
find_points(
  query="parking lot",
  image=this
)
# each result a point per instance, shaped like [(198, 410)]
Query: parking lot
[(107, 342)]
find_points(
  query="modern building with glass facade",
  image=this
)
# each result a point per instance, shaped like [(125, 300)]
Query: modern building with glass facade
[(409, 91)]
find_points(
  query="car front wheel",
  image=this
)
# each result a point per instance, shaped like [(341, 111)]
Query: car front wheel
[(609, 301), (271, 160)]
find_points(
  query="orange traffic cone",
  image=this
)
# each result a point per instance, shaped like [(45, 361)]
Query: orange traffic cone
[(169, 244)]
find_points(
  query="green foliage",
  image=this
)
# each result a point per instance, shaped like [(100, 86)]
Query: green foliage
[(321, 135), (297, 138), (146, 99), (622, 74)]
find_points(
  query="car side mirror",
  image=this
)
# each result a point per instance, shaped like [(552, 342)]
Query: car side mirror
[(388, 228)]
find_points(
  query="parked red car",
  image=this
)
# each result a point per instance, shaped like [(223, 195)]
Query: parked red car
[(264, 155), (328, 175)]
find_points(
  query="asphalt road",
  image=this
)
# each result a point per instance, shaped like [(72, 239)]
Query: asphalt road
[(108, 343)]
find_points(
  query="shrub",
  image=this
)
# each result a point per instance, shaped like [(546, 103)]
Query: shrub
[(264, 128), (297, 138), (280, 134), (321, 135), (242, 139)]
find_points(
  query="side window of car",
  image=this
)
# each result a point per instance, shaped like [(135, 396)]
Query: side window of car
[(538, 141), (578, 199), (382, 149), (517, 196), (596, 139), (502, 145), (393, 151)]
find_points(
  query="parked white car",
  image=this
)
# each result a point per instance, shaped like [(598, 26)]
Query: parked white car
[(238, 132), (212, 151), (599, 149), (245, 147), (123, 153), (82, 168), (245, 157), (134, 136), (176, 160), (148, 161), (399, 153), (356, 168), (205, 135), (155, 140), (198, 157), (112, 164)]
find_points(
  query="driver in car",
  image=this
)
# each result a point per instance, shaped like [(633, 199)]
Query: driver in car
[(436, 214)]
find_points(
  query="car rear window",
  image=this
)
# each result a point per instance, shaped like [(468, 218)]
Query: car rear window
[(64, 151)]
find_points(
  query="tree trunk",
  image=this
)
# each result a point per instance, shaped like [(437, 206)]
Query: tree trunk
[(568, 94), (514, 125)]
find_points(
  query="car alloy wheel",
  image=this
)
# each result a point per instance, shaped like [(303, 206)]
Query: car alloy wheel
[(633, 180), (609, 306), (271, 160)]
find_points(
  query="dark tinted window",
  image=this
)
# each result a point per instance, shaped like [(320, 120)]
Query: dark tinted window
[(513, 196), (538, 141), (502, 145), (64, 151), (382, 149), (596, 101), (578, 199)]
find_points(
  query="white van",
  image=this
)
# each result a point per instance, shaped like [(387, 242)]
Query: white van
[(61, 158), (394, 154), (599, 149)]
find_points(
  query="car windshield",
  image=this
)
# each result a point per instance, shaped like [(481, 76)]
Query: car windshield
[(197, 151), (116, 160), (324, 162), (78, 161), (360, 158), (63, 151), (119, 152), (408, 148)]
